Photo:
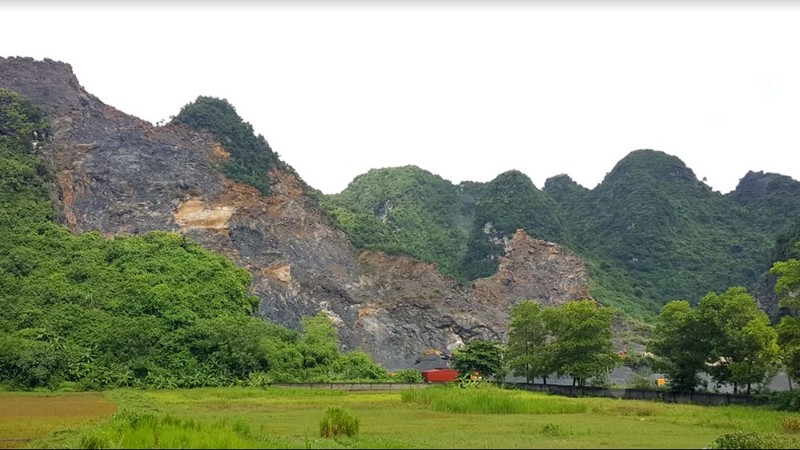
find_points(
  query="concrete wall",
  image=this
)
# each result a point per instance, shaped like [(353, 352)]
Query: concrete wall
[(355, 386), (701, 398)]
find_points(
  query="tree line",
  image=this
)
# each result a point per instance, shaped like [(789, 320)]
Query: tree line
[(573, 340), (726, 336)]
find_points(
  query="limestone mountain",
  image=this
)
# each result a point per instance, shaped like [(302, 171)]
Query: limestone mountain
[(774, 198), (662, 232), (405, 210), (775, 201), (119, 175), (462, 229), (651, 232)]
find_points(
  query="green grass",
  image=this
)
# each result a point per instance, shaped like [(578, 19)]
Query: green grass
[(290, 418), (490, 400)]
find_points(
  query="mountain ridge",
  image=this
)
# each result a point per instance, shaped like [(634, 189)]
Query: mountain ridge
[(118, 174)]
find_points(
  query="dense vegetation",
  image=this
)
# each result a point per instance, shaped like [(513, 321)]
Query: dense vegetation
[(507, 203), (726, 336), (155, 310), (572, 340), (460, 228), (404, 210), (658, 231), (771, 196), (251, 157), (788, 290), (650, 233)]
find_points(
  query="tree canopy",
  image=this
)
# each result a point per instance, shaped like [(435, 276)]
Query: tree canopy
[(788, 289), (478, 355), (251, 157), (726, 336), (527, 352), (573, 340)]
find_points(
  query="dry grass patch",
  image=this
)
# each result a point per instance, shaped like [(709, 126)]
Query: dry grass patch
[(28, 416), (791, 424)]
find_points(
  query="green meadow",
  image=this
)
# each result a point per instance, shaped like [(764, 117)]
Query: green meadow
[(436, 417)]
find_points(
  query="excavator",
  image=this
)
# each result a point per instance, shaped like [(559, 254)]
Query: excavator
[(434, 357), (435, 366)]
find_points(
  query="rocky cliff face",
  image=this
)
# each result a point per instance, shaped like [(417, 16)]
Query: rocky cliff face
[(119, 174)]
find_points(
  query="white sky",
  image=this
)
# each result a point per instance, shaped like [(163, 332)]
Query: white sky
[(465, 90)]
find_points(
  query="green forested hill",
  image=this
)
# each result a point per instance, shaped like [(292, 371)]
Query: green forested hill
[(460, 228), (507, 203), (155, 310), (408, 210), (651, 232), (774, 198), (662, 232)]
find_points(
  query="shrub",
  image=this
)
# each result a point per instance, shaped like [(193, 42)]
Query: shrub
[(551, 429), (408, 376), (338, 421), (641, 380), (741, 439), (258, 379)]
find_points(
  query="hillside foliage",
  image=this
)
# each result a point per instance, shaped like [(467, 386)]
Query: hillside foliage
[(251, 157), (155, 310), (404, 210), (650, 233), (460, 228)]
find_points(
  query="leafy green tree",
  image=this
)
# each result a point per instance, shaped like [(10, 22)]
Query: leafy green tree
[(527, 351), (318, 344), (479, 355), (743, 345), (680, 341), (787, 287), (581, 347), (788, 284), (407, 376), (357, 365)]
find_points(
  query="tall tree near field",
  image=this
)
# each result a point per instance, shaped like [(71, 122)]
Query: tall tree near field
[(481, 356), (743, 346), (527, 352), (788, 289), (581, 346), (680, 342)]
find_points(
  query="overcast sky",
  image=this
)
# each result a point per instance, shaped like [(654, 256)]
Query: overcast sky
[(465, 90)]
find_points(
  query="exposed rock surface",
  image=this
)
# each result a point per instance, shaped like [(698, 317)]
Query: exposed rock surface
[(119, 174)]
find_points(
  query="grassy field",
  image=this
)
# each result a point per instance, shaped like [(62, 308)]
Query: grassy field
[(421, 418)]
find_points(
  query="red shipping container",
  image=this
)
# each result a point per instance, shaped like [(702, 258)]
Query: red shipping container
[(440, 375)]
